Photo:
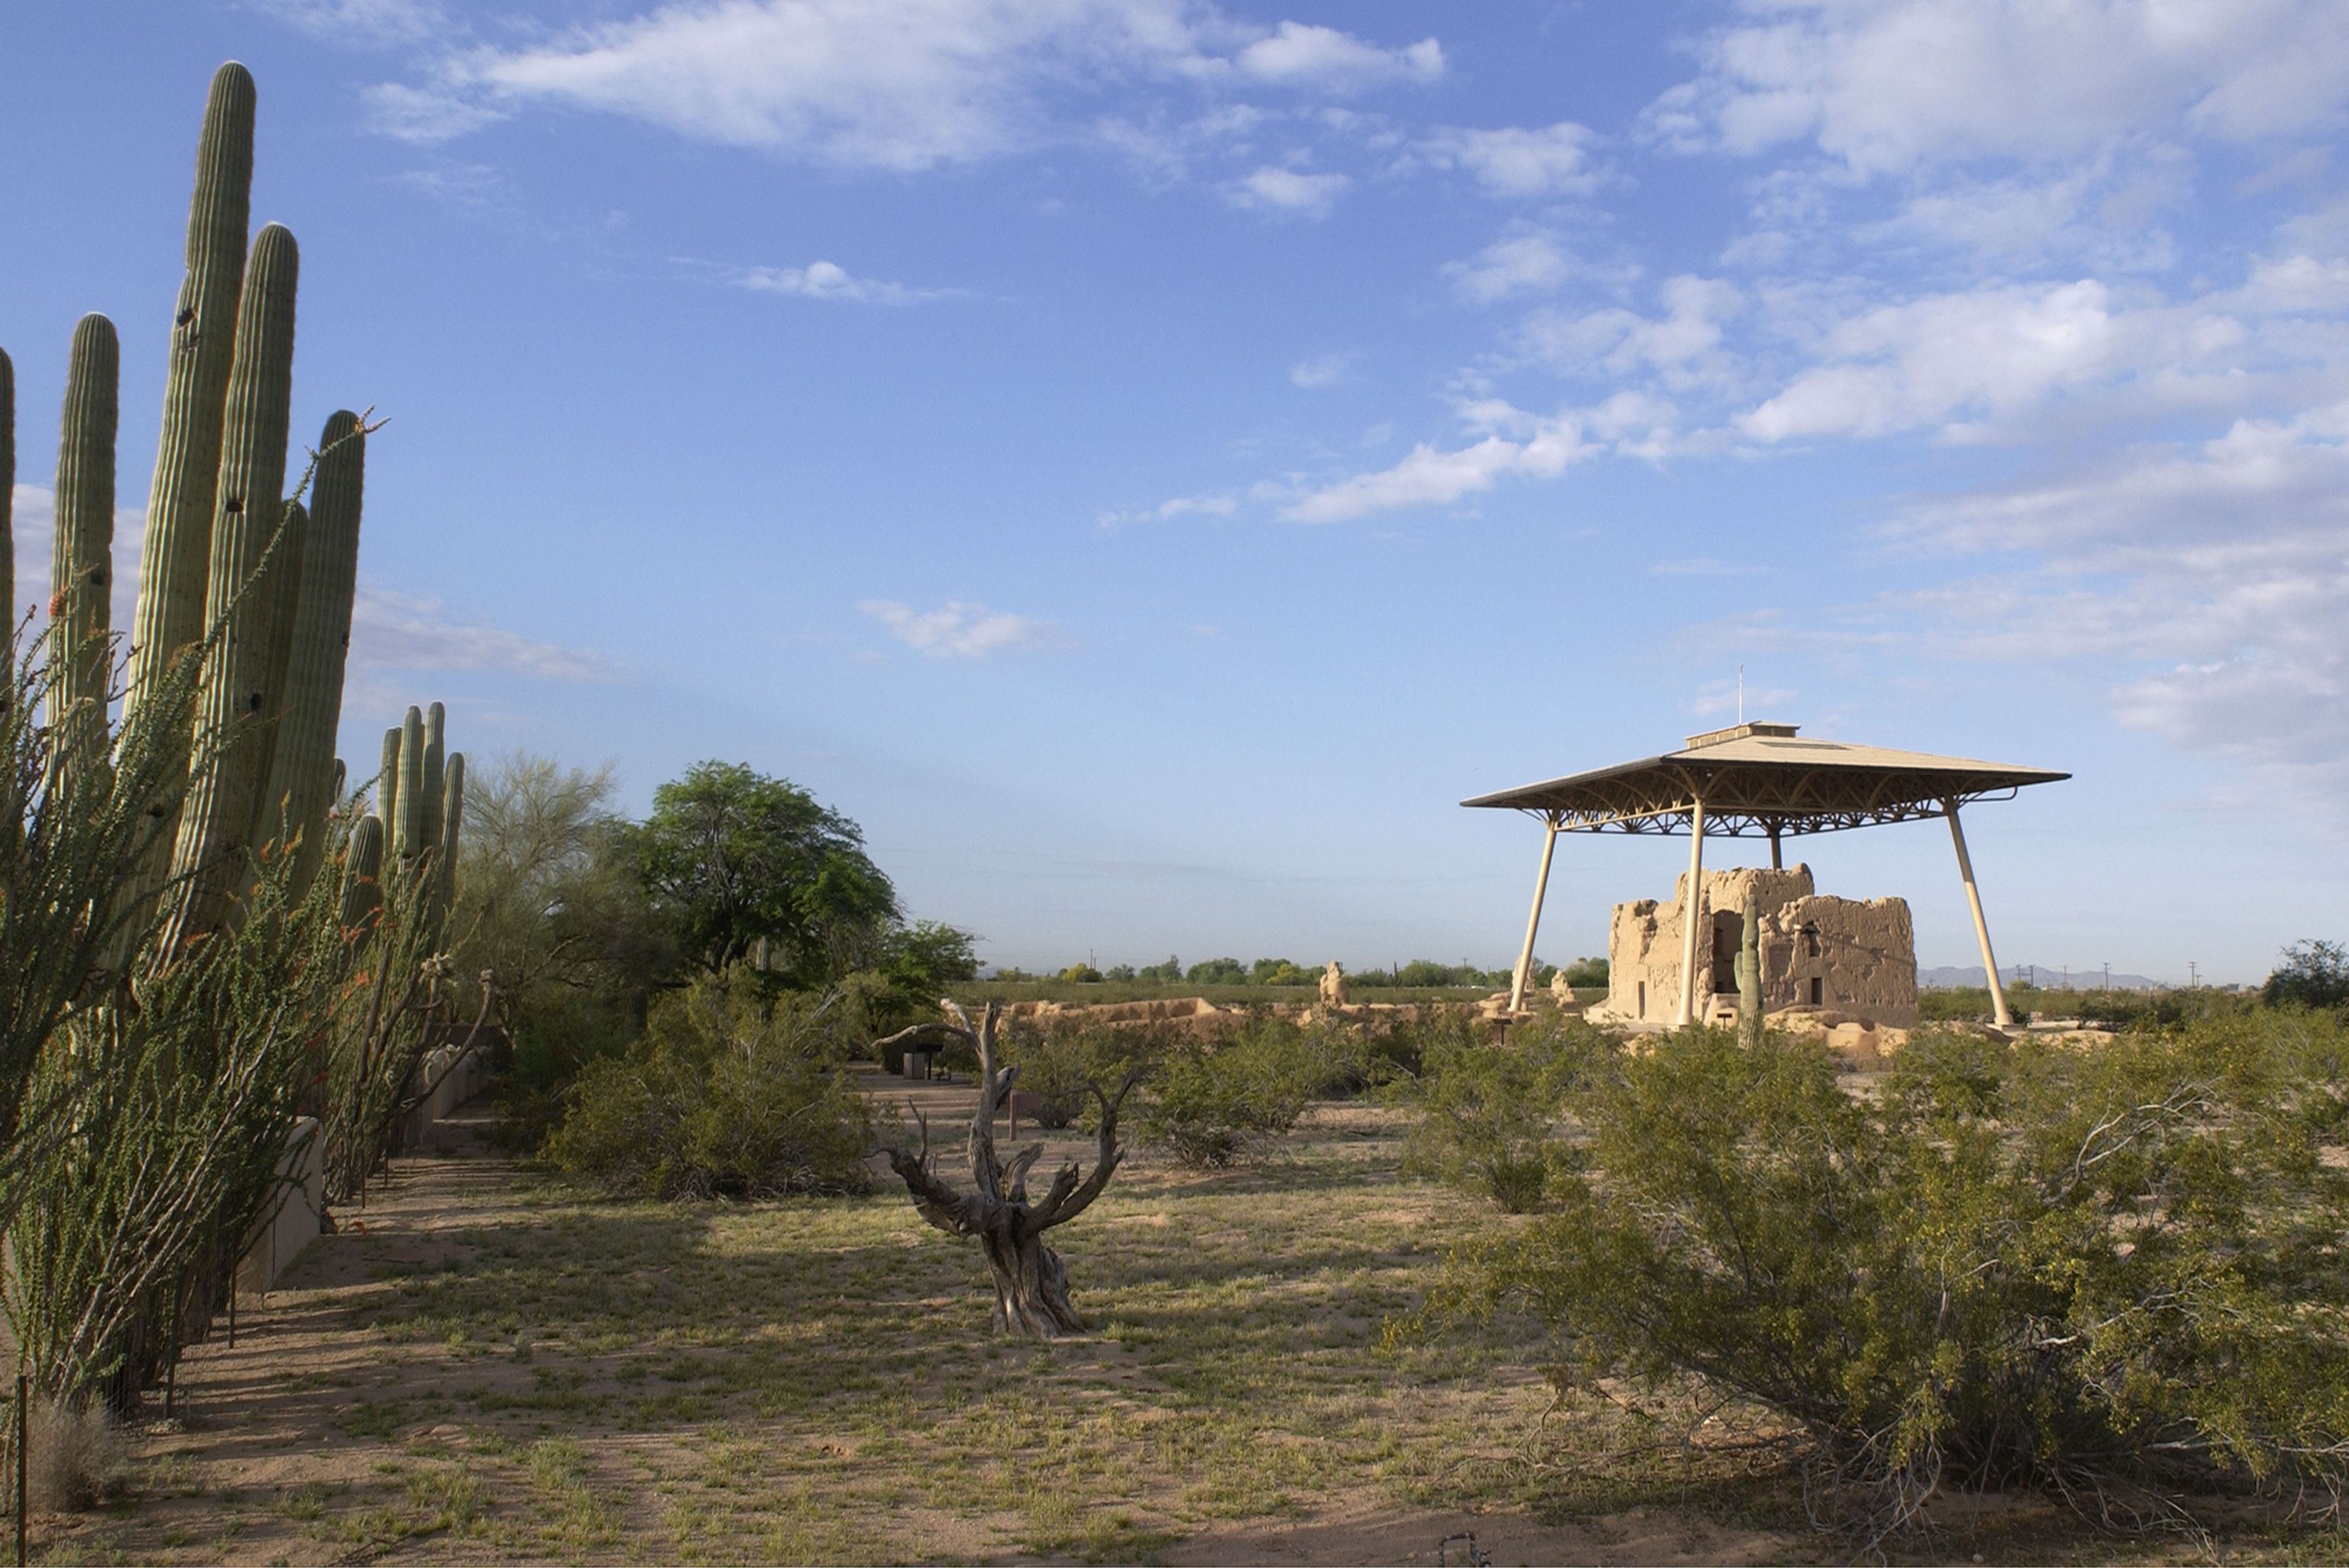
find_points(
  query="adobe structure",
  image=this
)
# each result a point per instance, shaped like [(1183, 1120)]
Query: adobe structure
[(1839, 956), (1764, 780)]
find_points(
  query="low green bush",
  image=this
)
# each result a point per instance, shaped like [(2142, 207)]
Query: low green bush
[(2114, 1271), (1211, 1103), (1069, 1067), (730, 1092), (1487, 1108)]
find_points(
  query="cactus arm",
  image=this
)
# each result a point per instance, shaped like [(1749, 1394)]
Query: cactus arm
[(452, 821), (82, 558), (218, 810), (386, 781), (436, 749), (278, 588), (176, 555), (362, 874), (408, 827), (320, 641)]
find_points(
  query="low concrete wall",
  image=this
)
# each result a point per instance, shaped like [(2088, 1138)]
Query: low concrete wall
[(297, 1214)]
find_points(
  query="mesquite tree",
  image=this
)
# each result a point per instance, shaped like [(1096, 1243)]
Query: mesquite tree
[(1032, 1284)]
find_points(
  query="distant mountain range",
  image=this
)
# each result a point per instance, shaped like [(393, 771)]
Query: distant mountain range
[(2048, 977)]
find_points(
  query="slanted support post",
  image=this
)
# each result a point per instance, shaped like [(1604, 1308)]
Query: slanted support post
[(1981, 927), (1524, 974), (1689, 905)]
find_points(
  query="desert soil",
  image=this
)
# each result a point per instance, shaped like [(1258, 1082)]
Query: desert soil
[(483, 1366)]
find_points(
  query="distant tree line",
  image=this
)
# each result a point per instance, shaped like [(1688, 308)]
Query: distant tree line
[(1418, 973)]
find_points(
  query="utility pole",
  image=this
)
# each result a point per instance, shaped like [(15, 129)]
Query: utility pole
[(2108, 975), (2192, 980)]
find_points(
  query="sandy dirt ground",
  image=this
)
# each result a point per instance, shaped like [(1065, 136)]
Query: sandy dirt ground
[(319, 1437)]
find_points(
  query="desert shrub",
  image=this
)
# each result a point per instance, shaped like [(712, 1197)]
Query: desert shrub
[(1487, 1108), (730, 1092), (2313, 975), (1211, 1103), (2018, 1265), (1068, 1068)]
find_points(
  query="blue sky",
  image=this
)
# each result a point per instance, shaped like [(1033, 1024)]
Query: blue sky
[(1146, 462)]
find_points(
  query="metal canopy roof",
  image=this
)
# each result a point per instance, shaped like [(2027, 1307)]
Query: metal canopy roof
[(1762, 778)]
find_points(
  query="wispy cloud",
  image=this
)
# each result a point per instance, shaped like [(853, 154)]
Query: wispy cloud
[(1287, 191), (889, 83), (1516, 161), (1520, 265), (396, 631), (1322, 371), (829, 280), (960, 630)]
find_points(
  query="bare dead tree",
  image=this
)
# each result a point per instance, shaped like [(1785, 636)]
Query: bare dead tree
[(1032, 1284)]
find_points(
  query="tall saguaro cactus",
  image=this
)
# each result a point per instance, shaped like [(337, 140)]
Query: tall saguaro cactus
[(8, 611), (175, 559), (82, 556), (218, 812)]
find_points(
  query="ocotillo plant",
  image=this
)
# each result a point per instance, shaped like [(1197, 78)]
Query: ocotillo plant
[(226, 742)]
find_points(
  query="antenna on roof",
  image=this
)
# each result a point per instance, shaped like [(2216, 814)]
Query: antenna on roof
[(1740, 694)]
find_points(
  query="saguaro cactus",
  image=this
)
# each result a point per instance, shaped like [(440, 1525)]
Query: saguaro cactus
[(1749, 973), (8, 610), (218, 813), (318, 644), (175, 559), (82, 557)]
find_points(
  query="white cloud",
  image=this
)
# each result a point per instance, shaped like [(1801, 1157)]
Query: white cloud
[(1272, 189), (1429, 476), (1523, 264), (885, 83), (391, 630), (363, 21), (2210, 584), (1987, 352), (826, 281), (1682, 347), (961, 630), (1554, 160), (423, 115), (1322, 372), (1888, 85), (1300, 54), (1222, 505)]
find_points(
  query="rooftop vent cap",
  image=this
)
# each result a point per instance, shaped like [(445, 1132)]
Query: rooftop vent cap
[(1740, 731)]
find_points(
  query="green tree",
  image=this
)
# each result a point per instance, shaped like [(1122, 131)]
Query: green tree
[(743, 866)]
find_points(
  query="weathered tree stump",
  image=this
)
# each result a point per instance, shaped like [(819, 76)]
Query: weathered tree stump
[(1032, 1284)]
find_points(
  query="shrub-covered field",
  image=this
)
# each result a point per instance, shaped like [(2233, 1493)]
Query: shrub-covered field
[(498, 1368)]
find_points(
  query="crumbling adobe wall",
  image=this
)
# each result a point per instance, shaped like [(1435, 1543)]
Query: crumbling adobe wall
[(1643, 945), (1863, 954)]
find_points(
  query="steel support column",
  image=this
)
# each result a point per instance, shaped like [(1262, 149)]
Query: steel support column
[(1981, 927), (1689, 906), (1524, 976)]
